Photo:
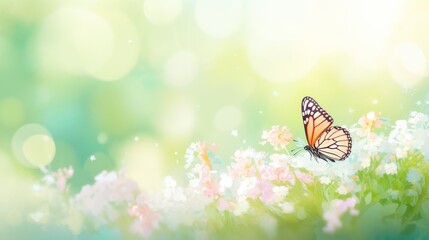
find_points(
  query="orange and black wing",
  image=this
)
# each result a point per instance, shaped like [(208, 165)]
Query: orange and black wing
[(335, 144), (316, 120)]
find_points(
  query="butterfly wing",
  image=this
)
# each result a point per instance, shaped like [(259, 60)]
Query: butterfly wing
[(316, 120), (335, 144)]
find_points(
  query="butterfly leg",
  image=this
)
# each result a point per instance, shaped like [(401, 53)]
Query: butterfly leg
[(312, 155)]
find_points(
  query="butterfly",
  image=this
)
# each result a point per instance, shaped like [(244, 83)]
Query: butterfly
[(326, 142)]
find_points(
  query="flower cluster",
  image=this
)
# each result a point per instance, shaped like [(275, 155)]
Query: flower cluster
[(386, 175), (278, 137), (102, 201), (336, 209)]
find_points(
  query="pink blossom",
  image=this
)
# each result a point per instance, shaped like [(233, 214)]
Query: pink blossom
[(304, 177), (277, 170), (336, 209), (249, 188), (224, 205), (266, 192), (146, 218), (110, 190), (245, 162), (369, 123), (277, 137), (203, 181), (61, 176)]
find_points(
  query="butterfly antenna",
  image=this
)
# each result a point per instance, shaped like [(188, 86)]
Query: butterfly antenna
[(298, 151)]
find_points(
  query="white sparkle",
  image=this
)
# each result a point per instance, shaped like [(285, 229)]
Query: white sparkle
[(92, 158), (419, 103), (275, 93), (234, 133), (375, 101), (176, 153), (260, 112), (136, 138)]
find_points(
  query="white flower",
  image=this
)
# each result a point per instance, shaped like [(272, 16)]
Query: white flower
[(225, 182), (249, 153), (365, 162), (193, 183), (390, 168), (417, 117), (287, 207), (342, 190), (325, 180), (241, 207), (246, 185), (280, 192), (169, 182), (371, 116), (172, 192), (48, 179), (401, 152), (401, 125), (374, 143), (106, 177), (189, 154)]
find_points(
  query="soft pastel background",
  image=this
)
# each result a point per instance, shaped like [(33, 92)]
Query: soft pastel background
[(131, 83)]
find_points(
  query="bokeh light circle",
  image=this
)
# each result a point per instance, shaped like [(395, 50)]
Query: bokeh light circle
[(33, 146), (219, 18), (181, 68), (126, 50), (162, 12), (39, 150), (277, 48), (75, 40), (408, 65)]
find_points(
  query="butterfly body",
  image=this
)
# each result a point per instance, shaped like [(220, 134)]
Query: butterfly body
[(314, 152), (326, 142)]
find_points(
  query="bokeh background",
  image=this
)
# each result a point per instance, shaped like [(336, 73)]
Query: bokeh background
[(129, 84)]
